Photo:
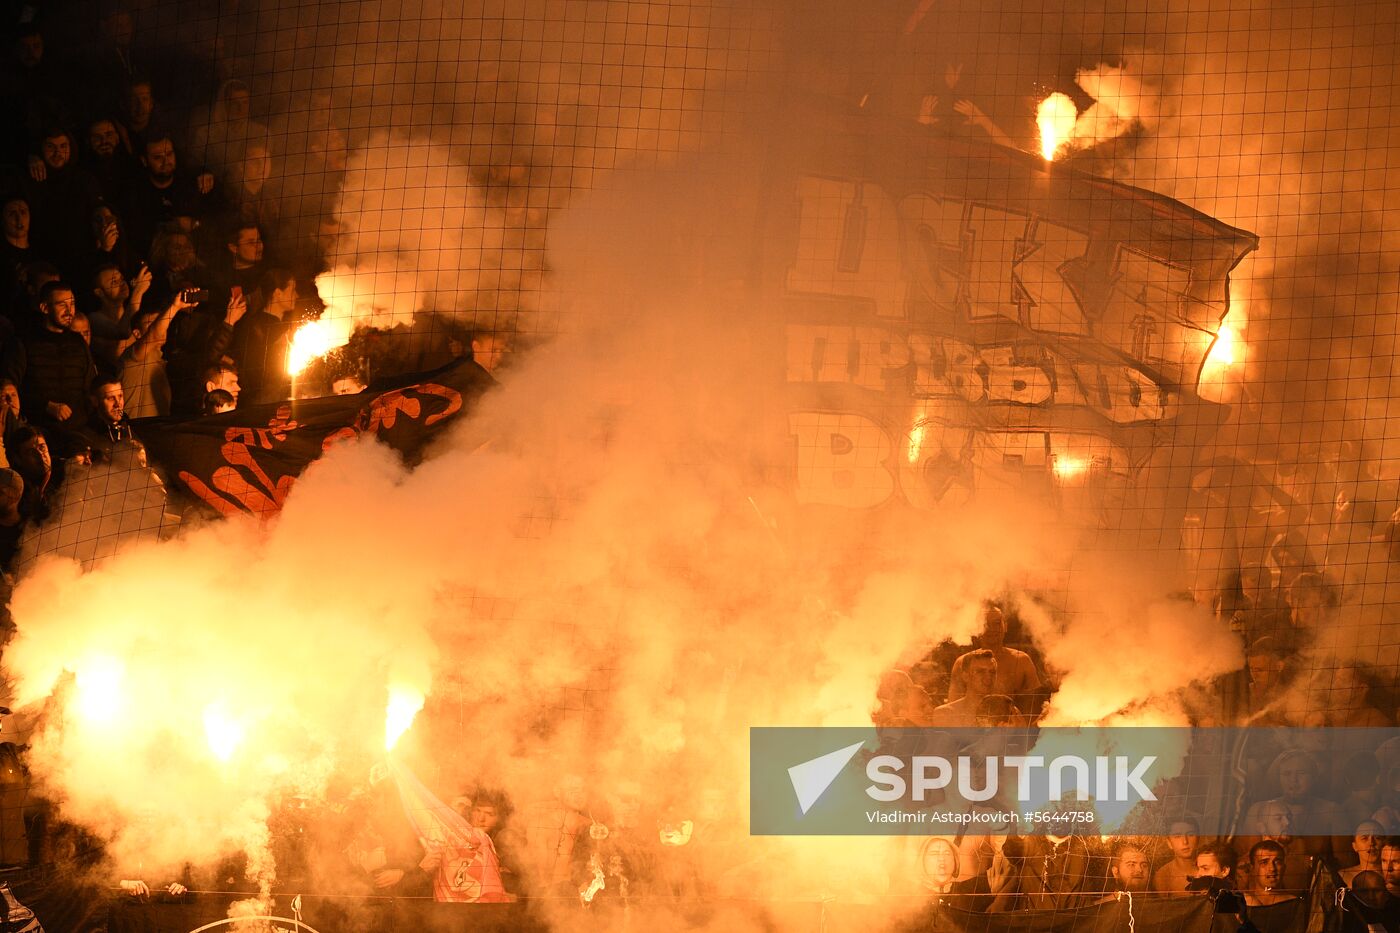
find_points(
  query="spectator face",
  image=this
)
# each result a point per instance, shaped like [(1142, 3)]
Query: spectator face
[(1390, 866), (111, 286), (103, 138), (179, 253), (488, 350), (347, 385), (485, 817), (35, 453), (282, 300), (9, 398), (1366, 843), (102, 218), (139, 105), (940, 862), (1295, 778), (82, 327), (981, 676), (1208, 866), (31, 50), (160, 159), (1131, 870), (236, 103), (57, 150), (1266, 870), (228, 381), (247, 250), (1277, 820), (112, 402), (59, 311), (16, 220), (1183, 840), (993, 628)]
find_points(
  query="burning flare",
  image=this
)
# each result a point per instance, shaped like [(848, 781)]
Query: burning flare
[(1055, 116), (99, 680), (223, 732), (404, 704), (1226, 350), (916, 443), (1069, 467), (315, 339)]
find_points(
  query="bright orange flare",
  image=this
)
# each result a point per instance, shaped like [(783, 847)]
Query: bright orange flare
[(1226, 350), (100, 696), (223, 732), (1055, 116), (404, 704), (1069, 467), (315, 339), (916, 443), (1222, 351)]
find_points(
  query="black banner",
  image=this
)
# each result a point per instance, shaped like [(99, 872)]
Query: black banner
[(247, 460)]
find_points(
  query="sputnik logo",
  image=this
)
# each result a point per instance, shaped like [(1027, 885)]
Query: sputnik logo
[(811, 778)]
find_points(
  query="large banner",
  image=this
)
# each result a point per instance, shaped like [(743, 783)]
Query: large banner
[(959, 315), (247, 460)]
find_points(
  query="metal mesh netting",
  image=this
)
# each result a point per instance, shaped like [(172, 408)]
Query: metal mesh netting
[(852, 348)]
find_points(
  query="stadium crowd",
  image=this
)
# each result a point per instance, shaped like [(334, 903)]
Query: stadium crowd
[(147, 268), (1314, 809), (154, 253)]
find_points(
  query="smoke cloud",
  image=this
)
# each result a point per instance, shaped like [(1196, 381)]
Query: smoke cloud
[(602, 562)]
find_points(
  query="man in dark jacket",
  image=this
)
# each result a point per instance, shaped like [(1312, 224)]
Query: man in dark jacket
[(108, 428), (63, 200), (54, 366), (260, 344), (164, 192)]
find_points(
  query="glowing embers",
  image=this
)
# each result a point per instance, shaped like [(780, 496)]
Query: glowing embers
[(404, 704), (1055, 116)]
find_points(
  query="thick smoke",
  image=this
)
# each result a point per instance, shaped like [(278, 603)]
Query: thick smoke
[(1281, 119), (617, 491)]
